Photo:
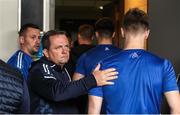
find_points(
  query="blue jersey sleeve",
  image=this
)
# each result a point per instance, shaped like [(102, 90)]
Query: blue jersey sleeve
[(80, 67), (13, 62), (96, 91), (24, 68), (169, 80), (20, 62)]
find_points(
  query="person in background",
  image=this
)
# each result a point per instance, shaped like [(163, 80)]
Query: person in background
[(70, 39), (75, 43), (104, 28), (143, 77), (14, 95), (51, 87), (85, 42), (29, 41)]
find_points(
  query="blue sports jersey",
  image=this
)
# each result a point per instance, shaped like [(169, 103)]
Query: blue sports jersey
[(22, 61), (142, 80), (89, 60)]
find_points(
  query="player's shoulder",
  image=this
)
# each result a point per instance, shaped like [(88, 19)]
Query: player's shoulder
[(153, 56)]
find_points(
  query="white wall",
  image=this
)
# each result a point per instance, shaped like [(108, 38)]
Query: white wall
[(8, 28)]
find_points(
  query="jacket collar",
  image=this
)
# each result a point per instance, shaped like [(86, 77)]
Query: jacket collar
[(51, 64)]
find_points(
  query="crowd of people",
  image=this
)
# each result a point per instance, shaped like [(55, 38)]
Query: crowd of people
[(88, 78)]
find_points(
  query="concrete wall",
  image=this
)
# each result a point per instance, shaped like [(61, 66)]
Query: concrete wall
[(165, 30), (8, 28)]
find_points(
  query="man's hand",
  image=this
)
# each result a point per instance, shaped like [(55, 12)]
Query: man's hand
[(103, 76)]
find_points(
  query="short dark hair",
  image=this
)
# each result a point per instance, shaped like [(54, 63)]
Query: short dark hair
[(135, 19), (86, 31), (46, 41), (105, 27), (25, 27)]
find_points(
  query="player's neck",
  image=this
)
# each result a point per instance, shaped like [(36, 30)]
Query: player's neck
[(134, 43), (26, 51), (86, 42), (105, 41)]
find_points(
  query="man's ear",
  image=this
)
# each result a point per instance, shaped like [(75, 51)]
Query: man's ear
[(122, 32), (97, 34), (79, 39), (21, 40), (46, 54), (79, 35), (147, 33), (113, 35)]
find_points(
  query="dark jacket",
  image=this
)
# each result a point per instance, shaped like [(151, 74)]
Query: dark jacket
[(51, 88), (14, 96), (75, 53)]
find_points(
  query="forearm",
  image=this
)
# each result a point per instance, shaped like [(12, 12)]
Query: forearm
[(76, 88), (173, 99), (77, 76), (56, 90), (177, 111), (95, 104), (176, 107)]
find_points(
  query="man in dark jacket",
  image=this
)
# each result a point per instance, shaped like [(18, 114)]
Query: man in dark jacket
[(85, 42), (50, 85), (14, 96)]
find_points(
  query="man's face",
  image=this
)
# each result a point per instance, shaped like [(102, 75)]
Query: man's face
[(30, 42), (59, 49)]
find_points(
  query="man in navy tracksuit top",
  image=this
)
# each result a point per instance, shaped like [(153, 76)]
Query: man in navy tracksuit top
[(51, 88)]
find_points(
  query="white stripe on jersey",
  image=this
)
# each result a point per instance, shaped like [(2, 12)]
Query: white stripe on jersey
[(68, 74), (47, 69), (19, 60), (49, 77), (53, 65), (44, 68)]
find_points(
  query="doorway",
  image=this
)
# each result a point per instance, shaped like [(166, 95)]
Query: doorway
[(70, 14)]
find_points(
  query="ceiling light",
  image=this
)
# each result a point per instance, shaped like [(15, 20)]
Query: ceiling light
[(101, 7)]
